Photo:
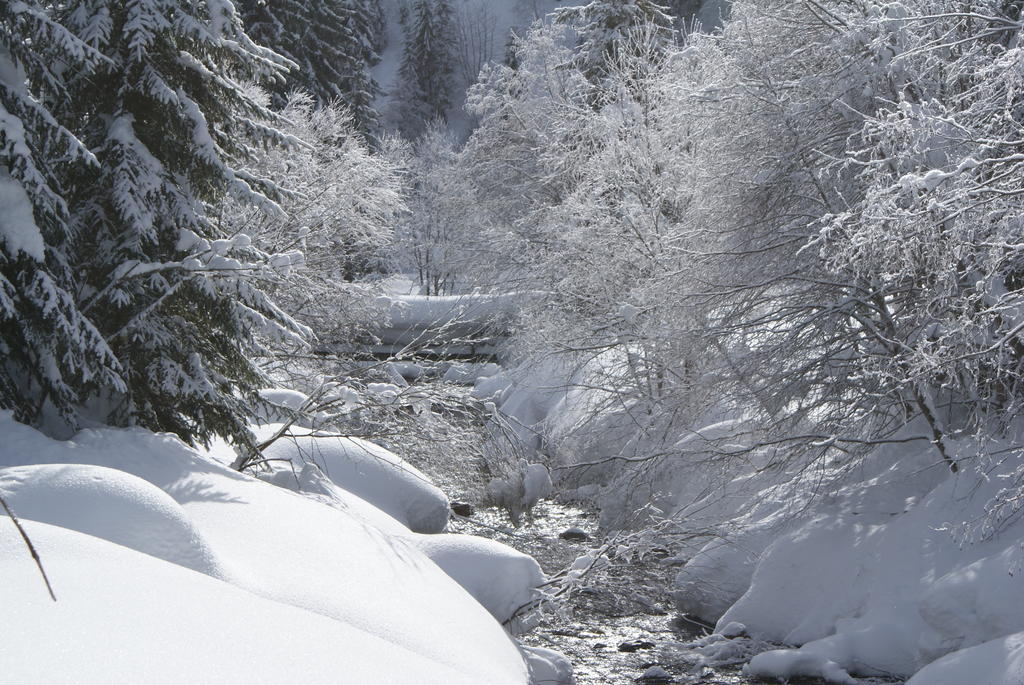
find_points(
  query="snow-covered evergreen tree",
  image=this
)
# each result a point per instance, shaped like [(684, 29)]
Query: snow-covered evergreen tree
[(425, 76), (603, 27), (170, 126), (332, 44), (48, 350)]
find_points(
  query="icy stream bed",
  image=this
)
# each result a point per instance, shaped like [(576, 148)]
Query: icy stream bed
[(627, 608), (627, 603)]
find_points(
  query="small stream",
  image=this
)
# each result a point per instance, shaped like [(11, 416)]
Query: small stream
[(614, 625), (628, 608)]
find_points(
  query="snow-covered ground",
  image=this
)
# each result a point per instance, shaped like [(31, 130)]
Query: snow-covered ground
[(170, 567)]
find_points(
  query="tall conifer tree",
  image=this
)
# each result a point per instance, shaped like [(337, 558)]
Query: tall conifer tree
[(171, 126), (332, 44), (604, 25), (48, 351), (425, 76)]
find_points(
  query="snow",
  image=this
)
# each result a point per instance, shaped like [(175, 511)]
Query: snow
[(109, 504), (997, 662), (302, 575), (786, 664), (124, 617), (422, 320), (292, 400), (502, 579), (733, 629), (548, 667), (469, 374), (655, 673), (536, 484), (18, 230), (490, 387), (870, 580), (371, 472), (977, 602), (522, 489)]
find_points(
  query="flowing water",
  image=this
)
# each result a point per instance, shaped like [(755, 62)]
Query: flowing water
[(613, 625), (628, 606)]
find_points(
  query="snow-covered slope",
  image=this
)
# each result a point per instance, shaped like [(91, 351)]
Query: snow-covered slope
[(324, 584), (872, 579), (125, 617)]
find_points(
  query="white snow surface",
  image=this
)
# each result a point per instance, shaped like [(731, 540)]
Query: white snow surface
[(109, 504), (872, 581), (125, 617), (18, 230), (469, 374), (321, 591), (501, 578), (548, 667), (997, 662), (373, 473)]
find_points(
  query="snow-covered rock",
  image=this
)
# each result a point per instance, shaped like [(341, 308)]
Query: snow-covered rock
[(783, 664), (373, 473), (502, 579), (521, 490), (548, 667), (996, 662), (468, 374)]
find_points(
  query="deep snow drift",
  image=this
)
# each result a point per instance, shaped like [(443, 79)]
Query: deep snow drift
[(170, 567)]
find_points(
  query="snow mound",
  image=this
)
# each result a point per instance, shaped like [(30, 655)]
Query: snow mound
[(373, 473), (502, 579), (997, 662), (468, 374), (783, 664), (125, 617), (112, 505), (548, 667), (520, 490), (872, 582), (490, 387), (278, 546), (976, 602), (310, 482)]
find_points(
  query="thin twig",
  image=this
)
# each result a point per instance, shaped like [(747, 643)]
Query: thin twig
[(31, 548)]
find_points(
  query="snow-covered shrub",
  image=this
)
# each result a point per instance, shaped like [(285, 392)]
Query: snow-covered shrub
[(338, 209), (433, 237)]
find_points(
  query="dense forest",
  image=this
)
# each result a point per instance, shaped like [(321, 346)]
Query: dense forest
[(742, 282)]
